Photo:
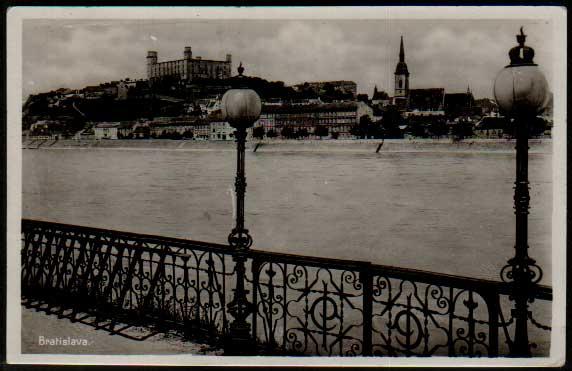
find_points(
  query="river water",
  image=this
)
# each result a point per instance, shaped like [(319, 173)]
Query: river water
[(449, 212)]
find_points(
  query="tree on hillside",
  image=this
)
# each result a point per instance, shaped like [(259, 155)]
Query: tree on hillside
[(390, 123), (417, 129), (188, 134), (363, 128), (258, 132), (321, 131), (287, 132), (462, 129), (437, 127), (302, 133)]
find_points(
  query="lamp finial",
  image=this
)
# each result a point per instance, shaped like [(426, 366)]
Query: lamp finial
[(240, 69), (521, 38), (521, 55)]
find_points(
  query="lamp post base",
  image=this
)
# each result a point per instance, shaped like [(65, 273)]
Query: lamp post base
[(239, 342)]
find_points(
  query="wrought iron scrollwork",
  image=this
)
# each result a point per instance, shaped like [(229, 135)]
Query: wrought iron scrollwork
[(291, 304), (174, 284), (309, 309)]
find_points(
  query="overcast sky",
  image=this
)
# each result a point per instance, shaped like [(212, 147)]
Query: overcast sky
[(449, 54)]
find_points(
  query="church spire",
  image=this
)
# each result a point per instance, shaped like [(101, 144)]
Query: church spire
[(401, 51), (401, 90), (401, 68)]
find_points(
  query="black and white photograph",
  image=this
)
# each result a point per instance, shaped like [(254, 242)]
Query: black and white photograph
[(337, 185)]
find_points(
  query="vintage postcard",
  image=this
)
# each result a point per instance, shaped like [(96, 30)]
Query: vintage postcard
[(361, 186)]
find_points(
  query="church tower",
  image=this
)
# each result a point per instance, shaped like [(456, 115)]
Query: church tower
[(401, 91)]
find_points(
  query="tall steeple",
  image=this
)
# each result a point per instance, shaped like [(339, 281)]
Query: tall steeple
[(401, 68), (401, 52), (470, 98), (401, 88)]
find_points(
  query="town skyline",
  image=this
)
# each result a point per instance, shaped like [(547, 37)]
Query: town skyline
[(74, 54)]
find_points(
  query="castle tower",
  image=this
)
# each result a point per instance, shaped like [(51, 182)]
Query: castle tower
[(401, 90), (227, 67), (188, 53), (151, 61), (188, 63)]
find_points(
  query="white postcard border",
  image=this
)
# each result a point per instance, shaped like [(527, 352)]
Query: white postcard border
[(15, 16)]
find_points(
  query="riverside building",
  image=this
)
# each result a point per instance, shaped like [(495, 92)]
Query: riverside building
[(336, 117)]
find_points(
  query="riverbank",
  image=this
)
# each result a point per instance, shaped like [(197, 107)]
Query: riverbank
[(364, 146)]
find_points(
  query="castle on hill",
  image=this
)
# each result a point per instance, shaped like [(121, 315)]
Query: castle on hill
[(188, 68)]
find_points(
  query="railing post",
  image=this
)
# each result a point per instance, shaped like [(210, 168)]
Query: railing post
[(366, 279), (492, 300), (240, 340), (521, 271), (255, 282)]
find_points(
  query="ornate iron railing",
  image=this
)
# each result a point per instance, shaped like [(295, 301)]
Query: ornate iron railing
[(301, 305)]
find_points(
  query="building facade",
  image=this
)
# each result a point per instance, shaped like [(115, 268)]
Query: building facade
[(106, 130), (219, 128), (337, 118), (460, 104), (426, 102), (380, 98), (491, 127), (123, 88), (183, 127), (188, 68)]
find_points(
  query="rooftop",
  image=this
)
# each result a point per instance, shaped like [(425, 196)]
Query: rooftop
[(329, 107)]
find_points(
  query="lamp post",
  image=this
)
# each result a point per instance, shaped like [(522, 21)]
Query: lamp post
[(241, 108), (521, 91)]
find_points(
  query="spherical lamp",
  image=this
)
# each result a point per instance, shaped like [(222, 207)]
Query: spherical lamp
[(520, 88), (521, 92), (241, 107)]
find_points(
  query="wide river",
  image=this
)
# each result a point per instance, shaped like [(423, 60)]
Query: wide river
[(448, 212)]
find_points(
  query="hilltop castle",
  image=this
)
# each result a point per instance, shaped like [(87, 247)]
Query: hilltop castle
[(188, 68)]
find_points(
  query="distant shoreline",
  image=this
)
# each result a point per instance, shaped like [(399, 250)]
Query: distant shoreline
[(277, 145)]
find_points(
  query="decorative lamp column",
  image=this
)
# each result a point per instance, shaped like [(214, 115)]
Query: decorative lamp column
[(240, 108), (521, 92)]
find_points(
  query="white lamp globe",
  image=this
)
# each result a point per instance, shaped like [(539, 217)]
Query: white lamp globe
[(520, 88), (241, 107)]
